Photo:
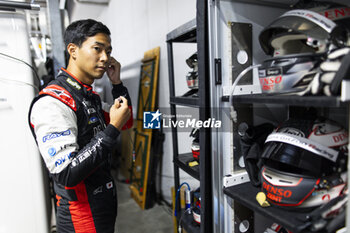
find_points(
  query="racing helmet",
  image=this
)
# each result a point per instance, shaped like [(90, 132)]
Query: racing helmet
[(304, 163), (195, 147), (196, 206), (192, 76), (298, 42)]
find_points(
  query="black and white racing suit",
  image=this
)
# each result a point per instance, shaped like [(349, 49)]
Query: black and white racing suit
[(69, 125)]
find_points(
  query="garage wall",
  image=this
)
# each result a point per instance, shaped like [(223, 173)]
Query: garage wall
[(137, 26)]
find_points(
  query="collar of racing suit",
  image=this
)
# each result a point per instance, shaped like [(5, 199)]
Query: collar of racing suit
[(83, 93), (75, 82), (67, 73)]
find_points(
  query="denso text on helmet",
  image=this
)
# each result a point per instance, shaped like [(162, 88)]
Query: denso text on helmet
[(271, 80), (336, 13), (277, 191), (340, 137), (274, 197)]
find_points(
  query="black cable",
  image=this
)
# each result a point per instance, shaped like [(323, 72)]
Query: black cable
[(14, 58)]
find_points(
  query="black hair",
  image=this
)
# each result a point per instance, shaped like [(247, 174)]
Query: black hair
[(78, 31)]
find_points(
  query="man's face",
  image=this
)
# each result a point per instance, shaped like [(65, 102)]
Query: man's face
[(92, 58)]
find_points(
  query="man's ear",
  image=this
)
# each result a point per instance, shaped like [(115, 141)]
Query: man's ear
[(72, 50)]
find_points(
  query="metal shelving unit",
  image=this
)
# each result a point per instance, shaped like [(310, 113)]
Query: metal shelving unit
[(233, 205), (295, 221), (193, 32), (245, 194)]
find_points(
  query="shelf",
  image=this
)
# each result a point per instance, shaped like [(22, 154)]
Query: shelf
[(182, 161), (185, 101), (194, 33), (188, 223), (245, 194), (316, 101), (287, 4), (184, 33)]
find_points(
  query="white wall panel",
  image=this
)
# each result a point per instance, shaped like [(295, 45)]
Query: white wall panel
[(24, 194)]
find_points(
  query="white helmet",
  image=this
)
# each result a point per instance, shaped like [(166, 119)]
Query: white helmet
[(298, 42)]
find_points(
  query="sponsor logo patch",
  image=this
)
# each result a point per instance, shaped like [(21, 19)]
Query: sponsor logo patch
[(304, 143), (74, 162), (56, 135), (98, 190), (73, 83), (61, 160), (91, 110), (273, 71), (293, 131), (81, 157), (327, 24), (97, 129), (67, 146), (52, 151), (61, 94), (276, 194), (269, 82), (92, 120), (336, 13)]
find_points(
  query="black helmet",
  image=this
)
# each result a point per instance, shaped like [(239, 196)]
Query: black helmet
[(304, 162)]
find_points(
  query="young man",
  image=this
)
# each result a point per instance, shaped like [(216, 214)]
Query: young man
[(73, 136)]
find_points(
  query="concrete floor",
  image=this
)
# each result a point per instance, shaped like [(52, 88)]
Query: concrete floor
[(132, 219)]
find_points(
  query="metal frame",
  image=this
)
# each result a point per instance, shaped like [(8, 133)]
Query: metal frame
[(204, 113), (56, 35), (203, 102), (173, 118), (217, 161)]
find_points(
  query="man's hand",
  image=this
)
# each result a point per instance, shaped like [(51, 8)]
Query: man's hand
[(113, 71), (119, 113)]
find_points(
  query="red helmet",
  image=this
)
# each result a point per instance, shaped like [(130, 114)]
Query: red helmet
[(195, 147)]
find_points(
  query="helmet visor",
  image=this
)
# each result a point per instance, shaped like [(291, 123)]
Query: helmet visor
[(305, 22), (293, 159)]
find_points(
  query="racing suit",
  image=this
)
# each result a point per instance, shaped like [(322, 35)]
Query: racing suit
[(69, 125)]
